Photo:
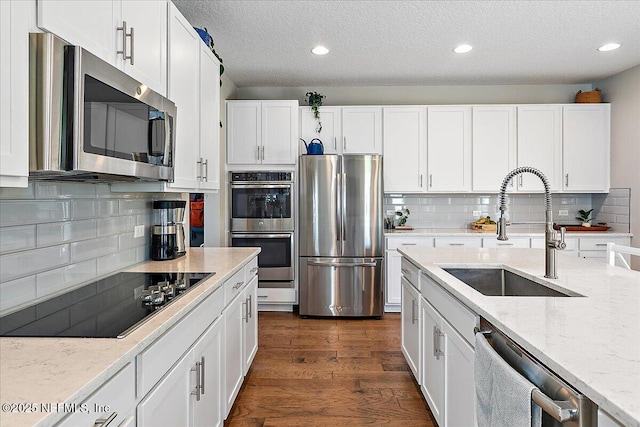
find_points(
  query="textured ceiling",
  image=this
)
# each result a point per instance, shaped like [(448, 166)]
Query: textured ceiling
[(409, 43)]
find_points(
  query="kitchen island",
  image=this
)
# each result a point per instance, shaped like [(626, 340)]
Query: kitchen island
[(37, 374), (592, 342)]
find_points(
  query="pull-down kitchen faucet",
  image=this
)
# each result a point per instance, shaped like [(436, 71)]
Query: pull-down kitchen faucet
[(551, 241)]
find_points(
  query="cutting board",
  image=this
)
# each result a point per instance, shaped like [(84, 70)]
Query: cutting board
[(581, 229)]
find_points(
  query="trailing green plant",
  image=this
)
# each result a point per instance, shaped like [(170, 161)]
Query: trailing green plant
[(585, 216), (403, 216), (315, 101)]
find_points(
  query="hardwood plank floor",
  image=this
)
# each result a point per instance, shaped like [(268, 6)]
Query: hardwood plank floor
[(329, 372)]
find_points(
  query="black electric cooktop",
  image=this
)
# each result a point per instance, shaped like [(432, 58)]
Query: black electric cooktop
[(108, 308)]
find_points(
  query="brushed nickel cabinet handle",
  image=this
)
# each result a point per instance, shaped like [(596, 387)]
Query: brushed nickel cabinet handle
[(104, 422)]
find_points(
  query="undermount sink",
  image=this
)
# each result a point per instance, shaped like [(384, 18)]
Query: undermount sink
[(501, 282)]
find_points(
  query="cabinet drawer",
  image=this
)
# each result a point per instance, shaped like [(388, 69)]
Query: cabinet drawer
[(468, 242), (513, 242), (119, 393), (600, 244), (396, 242), (234, 286), (276, 296), (457, 314), (154, 362), (250, 270), (411, 273)]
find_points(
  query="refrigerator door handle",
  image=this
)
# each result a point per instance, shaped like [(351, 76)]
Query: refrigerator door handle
[(339, 209), (342, 264), (343, 225)]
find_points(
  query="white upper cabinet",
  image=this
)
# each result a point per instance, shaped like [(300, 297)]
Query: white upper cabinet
[(131, 34), (540, 145), (586, 138), (494, 146), (209, 114), (361, 130), (14, 93), (404, 149), (184, 54), (262, 132), (330, 135), (449, 148)]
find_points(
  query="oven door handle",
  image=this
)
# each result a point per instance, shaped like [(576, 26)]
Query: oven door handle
[(342, 264), (261, 235), (245, 186)]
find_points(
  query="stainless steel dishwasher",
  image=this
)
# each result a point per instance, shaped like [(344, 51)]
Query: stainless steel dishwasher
[(562, 405)]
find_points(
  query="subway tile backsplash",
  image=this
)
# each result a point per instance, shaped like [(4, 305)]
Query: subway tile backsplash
[(524, 210), (55, 236)]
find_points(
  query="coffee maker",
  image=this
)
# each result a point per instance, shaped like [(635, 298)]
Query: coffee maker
[(167, 235)]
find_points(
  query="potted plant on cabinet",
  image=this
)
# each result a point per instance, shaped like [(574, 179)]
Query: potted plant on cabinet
[(315, 101)]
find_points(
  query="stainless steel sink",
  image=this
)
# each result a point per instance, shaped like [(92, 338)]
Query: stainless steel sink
[(501, 282)]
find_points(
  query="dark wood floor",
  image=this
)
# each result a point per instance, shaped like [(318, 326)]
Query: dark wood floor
[(327, 372)]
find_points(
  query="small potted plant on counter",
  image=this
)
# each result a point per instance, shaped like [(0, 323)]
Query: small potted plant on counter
[(585, 217)]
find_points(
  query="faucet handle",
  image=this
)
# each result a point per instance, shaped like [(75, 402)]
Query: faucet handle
[(562, 244)]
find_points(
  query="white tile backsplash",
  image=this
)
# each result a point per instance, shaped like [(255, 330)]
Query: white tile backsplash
[(56, 236), (16, 292), (18, 239)]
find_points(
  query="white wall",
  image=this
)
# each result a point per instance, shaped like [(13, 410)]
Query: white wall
[(215, 205), (623, 92), (420, 95)]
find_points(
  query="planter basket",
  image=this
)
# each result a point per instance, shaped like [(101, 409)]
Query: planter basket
[(588, 97)]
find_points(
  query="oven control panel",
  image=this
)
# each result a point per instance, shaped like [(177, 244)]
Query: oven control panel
[(261, 176)]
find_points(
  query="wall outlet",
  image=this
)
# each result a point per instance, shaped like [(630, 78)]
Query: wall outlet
[(138, 231), (563, 212), (477, 213)]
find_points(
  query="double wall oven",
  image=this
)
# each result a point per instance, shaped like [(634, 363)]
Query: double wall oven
[(262, 215)]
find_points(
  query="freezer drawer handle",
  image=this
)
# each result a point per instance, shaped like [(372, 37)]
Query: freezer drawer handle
[(342, 264)]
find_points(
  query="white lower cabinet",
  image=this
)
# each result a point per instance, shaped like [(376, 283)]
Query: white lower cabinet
[(432, 381), (113, 401), (193, 386), (410, 326), (459, 242), (446, 354), (250, 325), (393, 266)]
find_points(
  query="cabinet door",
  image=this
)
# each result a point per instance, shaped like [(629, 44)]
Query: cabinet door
[(393, 292), (330, 134), (410, 325), (91, 25), (208, 352), (244, 128), (449, 148), (233, 344), (586, 134), (540, 145), (14, 93), (432, 383), (362, 130), (184, 53), (404, 149), (250, 324), (494, 146), (209, 119), (279, 132), (168, 403), (148, 45), (459, 383)]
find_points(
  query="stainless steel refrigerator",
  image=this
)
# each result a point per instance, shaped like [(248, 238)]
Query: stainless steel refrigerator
[(341, 236)]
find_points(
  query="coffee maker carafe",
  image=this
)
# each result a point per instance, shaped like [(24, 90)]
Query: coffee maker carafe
[(167, 236)]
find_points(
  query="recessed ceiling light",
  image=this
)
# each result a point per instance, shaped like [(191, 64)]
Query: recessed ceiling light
[(609, 46), (463, 48), (320, 50)]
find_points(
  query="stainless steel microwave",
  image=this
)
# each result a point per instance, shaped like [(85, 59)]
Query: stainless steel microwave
[(90, 121)]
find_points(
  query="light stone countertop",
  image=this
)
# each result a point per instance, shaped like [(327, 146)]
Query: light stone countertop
[(593, 343), (511, 231), (56, 370)]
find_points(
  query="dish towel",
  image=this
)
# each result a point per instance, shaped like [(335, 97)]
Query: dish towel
[(503, 396)]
